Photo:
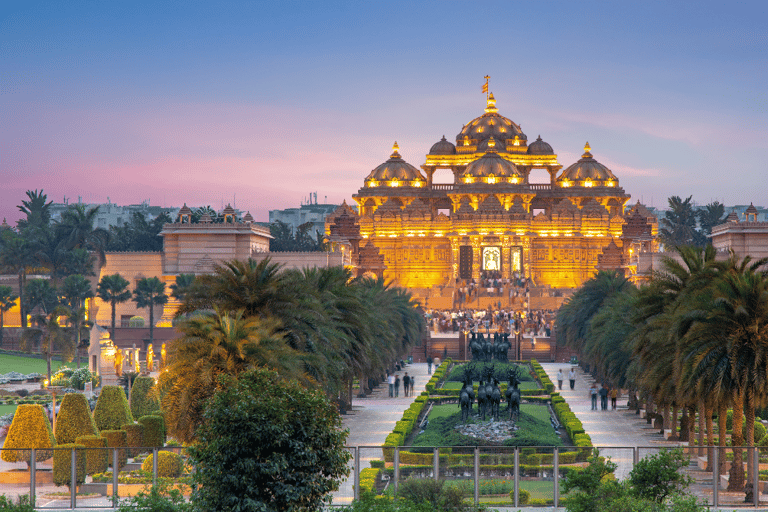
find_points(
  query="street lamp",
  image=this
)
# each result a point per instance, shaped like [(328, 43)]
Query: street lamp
[(518, 352)]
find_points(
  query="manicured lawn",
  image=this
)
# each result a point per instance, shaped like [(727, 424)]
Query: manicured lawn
[(7, 409), (523, 385), (540, 412), (26, 365)]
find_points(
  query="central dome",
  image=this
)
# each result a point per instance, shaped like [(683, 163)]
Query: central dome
[(491, 164), (490, 124), (395, 169)]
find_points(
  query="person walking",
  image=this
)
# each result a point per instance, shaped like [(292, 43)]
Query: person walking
[(593, 395), (429, 365), (397, 386), (406, 384), (614, 396), (572, 377), (560, 378), (604, 397), (391, 382)]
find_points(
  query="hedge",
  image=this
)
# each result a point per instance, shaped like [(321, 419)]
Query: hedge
[(134, 433), (97, 460), (117, 439), (74, 419), (30, 429), (62, 464), (169, 464), (153, 431), (368, 478), (144, 397), (112, 410)]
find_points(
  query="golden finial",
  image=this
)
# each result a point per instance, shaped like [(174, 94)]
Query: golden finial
[(491, 104), (587, 153), (491, 143), (395, 151)]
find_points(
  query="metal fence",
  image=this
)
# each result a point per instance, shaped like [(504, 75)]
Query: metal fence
[(495, 476)]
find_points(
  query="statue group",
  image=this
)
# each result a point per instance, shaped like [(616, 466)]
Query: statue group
[(489, 396), (484, 350)]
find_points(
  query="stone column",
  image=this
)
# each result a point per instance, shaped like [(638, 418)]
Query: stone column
[(476, 258), (454, 258), (506, 262)]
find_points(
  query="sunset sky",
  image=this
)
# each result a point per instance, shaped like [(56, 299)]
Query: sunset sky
[(261, 103)]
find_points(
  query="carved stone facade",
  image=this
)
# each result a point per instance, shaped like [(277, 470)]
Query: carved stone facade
[(491, 219)]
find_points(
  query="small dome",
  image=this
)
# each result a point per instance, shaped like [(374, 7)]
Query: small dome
[(491, 164), (395, 168), (587, 168), (539, 147), (491, 145), (490, 124), (443, 147)]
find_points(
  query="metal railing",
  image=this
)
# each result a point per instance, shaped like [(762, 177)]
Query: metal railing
[(491, 475)]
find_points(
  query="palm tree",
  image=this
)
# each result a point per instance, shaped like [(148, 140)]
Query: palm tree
[(678, 227), (182, 286), (113, 289), (77, 231), (150, 292), (7, 301), (37, 210), (16, 254), (211, 345), (75, 290), (45, 332)]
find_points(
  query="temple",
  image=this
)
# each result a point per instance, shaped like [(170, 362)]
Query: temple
[(491, 219)]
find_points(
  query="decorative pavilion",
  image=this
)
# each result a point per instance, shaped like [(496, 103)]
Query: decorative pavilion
[(490, 219)]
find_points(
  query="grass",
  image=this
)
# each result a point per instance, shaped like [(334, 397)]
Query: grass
[(7, 409), (523, 385), (26, 365), (539, 489)]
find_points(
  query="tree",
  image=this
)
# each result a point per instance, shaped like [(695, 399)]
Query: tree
[(678, 227), (182, 286), (76, 230), (284, 437), (16, 254), (657, 477), (150, 292), (139, 234), (212, 345), (75, 290), (37, 210), (7, 301), (711, 215), (46, 333), (113, 289)]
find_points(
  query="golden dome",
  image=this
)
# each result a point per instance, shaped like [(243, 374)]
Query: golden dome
[(442, 147), (587, 169), (490, 124), (395, 169), (539, 147), (490, 164)]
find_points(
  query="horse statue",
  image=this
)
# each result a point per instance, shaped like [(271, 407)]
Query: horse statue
[(487, 349), (466, 398), (495, 400), (482, 400), (476, 347), (513, 396), (504, 347)]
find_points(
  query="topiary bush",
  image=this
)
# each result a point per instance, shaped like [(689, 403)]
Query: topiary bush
[(97, 460), (144, 397), (154, 435), (116, 439), (169, 464), (135, 438), (112, 410), (81, 376), (524, 496), (62, 464), (74, 419), (30, 429), (136, 321), (759, 431)]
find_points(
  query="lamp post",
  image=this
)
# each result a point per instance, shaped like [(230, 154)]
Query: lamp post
[(518, 352)]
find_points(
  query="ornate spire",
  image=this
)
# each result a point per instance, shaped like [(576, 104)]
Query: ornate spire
[(587, 153), (395, 151), (491, 107)]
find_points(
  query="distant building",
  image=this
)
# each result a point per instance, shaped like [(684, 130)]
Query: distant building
[(110, 214), (310, 211), (745, 234)]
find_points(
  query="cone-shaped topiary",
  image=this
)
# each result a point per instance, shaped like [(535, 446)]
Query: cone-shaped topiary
[(97, 460), (74, 419), (135, 438), (30, 429), (169, 464), (112, 410), (116, 439), (153, 430), (144, 397), (62, 464)]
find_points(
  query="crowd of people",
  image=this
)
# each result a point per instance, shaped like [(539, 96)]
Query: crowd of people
[(491, 284), (537, 323)]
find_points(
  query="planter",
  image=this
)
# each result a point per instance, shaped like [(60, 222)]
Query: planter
[(21, 477)]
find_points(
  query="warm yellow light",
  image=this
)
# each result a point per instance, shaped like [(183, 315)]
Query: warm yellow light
[(468, 179), (490, 179), (609, 183), (438, 233), (373, 183), (410, 233), (514, 180), (566, 183), (463, 233), (588, 183), (417, 183), (517, 140), (394, 183)]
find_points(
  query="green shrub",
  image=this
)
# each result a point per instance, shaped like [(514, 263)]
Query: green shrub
[(433, 493), (97, 460), (23, 504), (157, 498), (116, 439), (524, 496), (136, 321), (153, 431), (134, 437), (62, 464), (30, 429), (169, 464), (82, 375), (74, 419), (112, 410), (759, 431), (144, 398)]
